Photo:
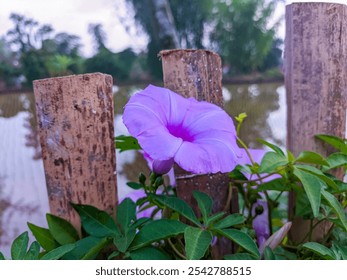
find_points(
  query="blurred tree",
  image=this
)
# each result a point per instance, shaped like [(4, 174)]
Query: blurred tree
[(98, 34), (8, 65), (191, 18), (156, 19), (41, 54), (239, 30), (118, 65), (242, 33)]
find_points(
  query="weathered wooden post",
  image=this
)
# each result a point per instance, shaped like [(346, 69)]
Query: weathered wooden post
[(198, 73), (75, 118), (316, 80)]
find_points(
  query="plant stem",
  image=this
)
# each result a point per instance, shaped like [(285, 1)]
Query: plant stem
[(175, 250)]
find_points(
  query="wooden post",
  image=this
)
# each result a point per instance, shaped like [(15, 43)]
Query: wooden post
[(316, 80), (75, 119), (198, 73)]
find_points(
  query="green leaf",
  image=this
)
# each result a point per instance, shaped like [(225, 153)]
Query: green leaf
[(178, 205), (155, 231), (87, 248), (320, 250), (336, 206), (242, 239), (126, 214), (268, 254), (271, 161), (334, 141), (312, 186), (277, 149), (125, 143), (62, 231), (311, 158), (135, 186), (318, 173), (44, 237), (149, 253), (214, 218), (33, 252), (204, 203), (19, 246), (122, 242), (197, 242), (337, 160), (96, 222), (339, 251), (278, 184), (229, 221), (59, 252), (2, 257), (241, 256)]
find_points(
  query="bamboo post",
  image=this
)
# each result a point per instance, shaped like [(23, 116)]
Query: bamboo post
[(316, 80), (75, 119), (198, 74)]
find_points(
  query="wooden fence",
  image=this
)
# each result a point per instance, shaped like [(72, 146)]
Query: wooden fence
[(75, 113)]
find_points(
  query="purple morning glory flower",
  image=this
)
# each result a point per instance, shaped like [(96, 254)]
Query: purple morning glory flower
[(199, 136)]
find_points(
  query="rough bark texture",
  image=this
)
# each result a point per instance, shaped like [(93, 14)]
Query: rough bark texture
[(198, 73), (316, 80), (75, 118)]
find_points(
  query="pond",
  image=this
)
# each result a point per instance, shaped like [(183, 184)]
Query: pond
[(23, 195)]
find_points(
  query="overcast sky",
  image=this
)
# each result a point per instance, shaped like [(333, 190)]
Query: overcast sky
[(73, 16)]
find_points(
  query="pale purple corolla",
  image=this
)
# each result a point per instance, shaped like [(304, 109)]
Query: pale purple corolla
[(199, 136), (261, 222)]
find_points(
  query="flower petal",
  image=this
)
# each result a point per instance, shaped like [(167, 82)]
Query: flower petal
[(203, 116), (158, 143)]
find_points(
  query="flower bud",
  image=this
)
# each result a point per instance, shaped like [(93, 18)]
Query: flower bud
[(162, 166)]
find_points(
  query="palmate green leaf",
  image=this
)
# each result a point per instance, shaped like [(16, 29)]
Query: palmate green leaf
[(2, 257), (59, 252), (87, 248), (155, 231), (62, 231), (44, 237), (311, 158), (179, 206), (229, 221), (126, 143), (336, 207), (214, 218), (96, 222), (149, 253), (242, 239), (126, 214), (19, 246), (277, 149), (271, 161), (337, 160), (122, 242), (278, 184), (312, 186), (197, 242), (334, 141), (204, 202), (241, 256), (33, 252), (317, 172), (320, 250)]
